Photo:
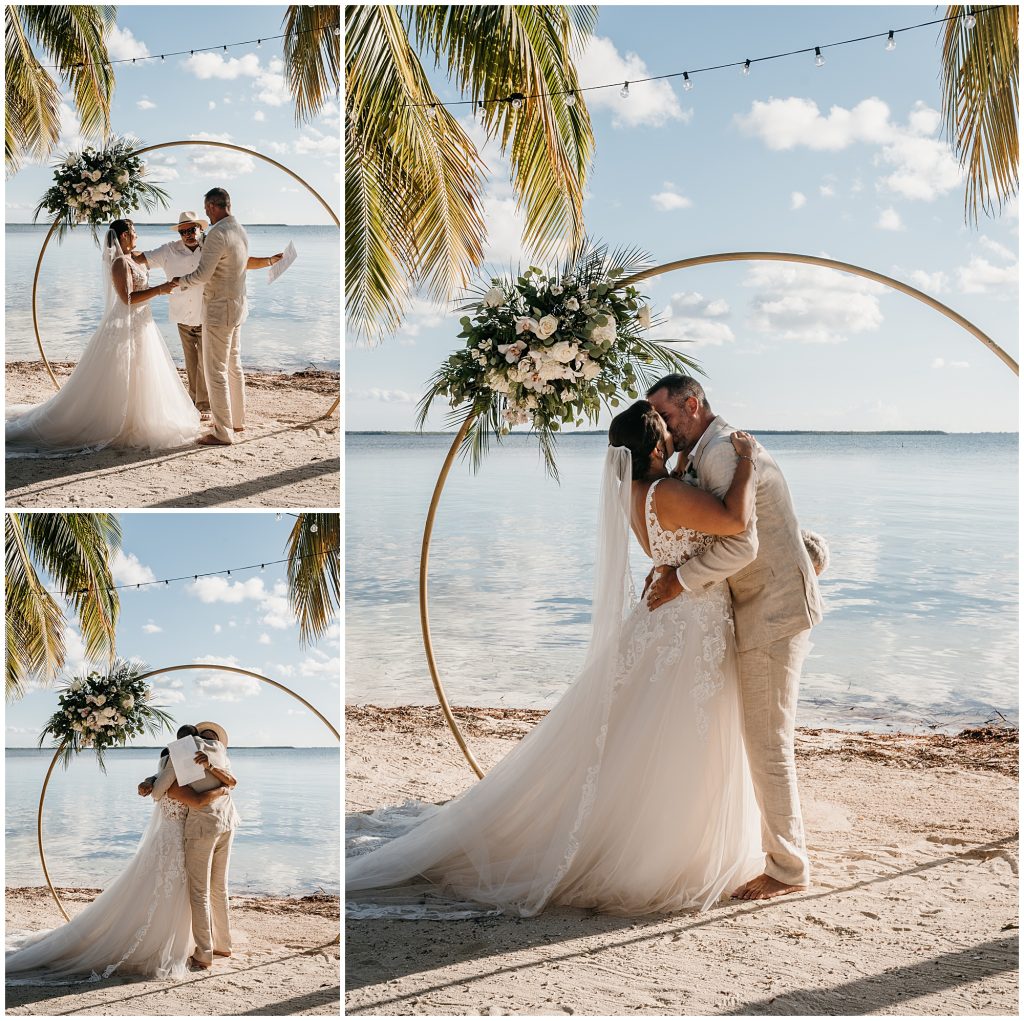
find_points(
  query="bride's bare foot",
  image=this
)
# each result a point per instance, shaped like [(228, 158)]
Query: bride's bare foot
[(763, 887)]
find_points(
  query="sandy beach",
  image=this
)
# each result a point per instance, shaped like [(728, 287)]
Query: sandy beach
[(287, 962), (912, 911), (289, 456)]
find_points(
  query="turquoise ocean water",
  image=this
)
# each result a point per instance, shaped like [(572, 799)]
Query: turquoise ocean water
[(293, 323), (921, 595), (288, 799)]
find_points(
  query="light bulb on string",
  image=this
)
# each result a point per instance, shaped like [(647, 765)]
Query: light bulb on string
[(570, 99), (746, 68), (624, 91), (687, 84), (970, 21), (516, 100), (314, 527), (819, 60), (432, 111), (890, 43), (259, 44)]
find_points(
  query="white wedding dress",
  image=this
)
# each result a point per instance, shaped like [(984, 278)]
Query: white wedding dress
[(632, 796), (141, 924), (124, 392)]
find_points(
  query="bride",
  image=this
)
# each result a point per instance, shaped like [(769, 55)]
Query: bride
[(632, 796), (125, 390), (140, 924)]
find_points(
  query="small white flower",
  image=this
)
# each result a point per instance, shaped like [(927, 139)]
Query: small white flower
[(564, 351), (556, 290), (512, 352), (95, 175), (494, 297), (644, 316), (572, 305), (546, 327), (524, 324), (603, 334), (591, 370)]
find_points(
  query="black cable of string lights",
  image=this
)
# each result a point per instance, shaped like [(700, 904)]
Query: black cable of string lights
[(195, 577), (224, 47), (518, 98)]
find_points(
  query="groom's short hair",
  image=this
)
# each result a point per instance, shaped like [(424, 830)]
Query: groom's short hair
[(218, 197), (680, 388)]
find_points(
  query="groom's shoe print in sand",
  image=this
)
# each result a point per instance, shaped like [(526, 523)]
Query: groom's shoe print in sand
[(775, 603), (221, 273)]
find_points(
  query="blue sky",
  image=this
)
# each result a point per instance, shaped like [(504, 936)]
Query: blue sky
[(241, 621), (239, 96), (845, 161)]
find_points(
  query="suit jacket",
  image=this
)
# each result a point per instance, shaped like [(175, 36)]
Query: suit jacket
[(218, 817), (221, 271), (774, 589)]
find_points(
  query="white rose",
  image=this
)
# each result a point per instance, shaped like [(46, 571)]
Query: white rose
[(95, 175), (128, 702), (494, 297), (564, 351), (591, 370), (644, 317), (572, 305), (101, 699), (603, 334), (546, 327)]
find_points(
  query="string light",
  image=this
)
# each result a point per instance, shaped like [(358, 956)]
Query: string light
[(819, 60), (432, 111), (969, 21), (687, 84), (192, 52), (572, 95), (138, 586), (516, 100)]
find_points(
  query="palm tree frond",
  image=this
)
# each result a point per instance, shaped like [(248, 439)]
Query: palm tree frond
[(312, 56), (314, 573)]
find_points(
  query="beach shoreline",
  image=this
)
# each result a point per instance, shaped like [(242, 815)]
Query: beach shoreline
[(286, 962), (912, 908), (289, 455)]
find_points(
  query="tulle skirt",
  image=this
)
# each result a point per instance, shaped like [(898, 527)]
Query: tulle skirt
[(632, 796), (124, 392)]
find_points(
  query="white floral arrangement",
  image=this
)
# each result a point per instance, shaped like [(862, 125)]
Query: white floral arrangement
[(551, 349), (96, 186), (101, 711)]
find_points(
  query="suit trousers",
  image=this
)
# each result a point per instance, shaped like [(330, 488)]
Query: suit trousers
[(225, 381), (192, 347), (770, 683), (206, 864)]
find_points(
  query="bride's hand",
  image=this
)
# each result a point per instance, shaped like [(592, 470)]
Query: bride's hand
[(743, 444)]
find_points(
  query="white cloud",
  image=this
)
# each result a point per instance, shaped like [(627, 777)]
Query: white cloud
[(690, 317), (374, 393), (217, 629), (941, 363), (652, 104), (827, 191), (145, 104), (270, 86), (75, 660), (264, 639), (931, 283), (980, 276), (220, 590), (151, 628), (797, 200), (994, 246), (225, 687), (223, 163), (213, 65), (311, 141), (812, 304), (259, 115), (127, 570), (889, 219), (122, 45), (670, 198), (922, 166), (320, 666), (277, 611), (211, 105)]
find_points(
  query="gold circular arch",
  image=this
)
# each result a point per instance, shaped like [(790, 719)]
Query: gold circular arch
[(668, 267), (170, 145), (152, 673)]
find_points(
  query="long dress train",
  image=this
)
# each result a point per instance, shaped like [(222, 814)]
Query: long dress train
[(140, 924), (632, 796)]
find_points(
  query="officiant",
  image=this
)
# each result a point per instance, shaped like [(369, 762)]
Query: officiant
[(185, 307)]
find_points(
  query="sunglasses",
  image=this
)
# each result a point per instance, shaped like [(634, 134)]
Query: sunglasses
[(188, 230)]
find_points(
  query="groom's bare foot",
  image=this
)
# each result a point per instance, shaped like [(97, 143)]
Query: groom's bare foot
[(763, 887), (209, 440)]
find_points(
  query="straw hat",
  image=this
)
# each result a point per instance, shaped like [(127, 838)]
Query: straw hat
[(189, 216), (222, 734)]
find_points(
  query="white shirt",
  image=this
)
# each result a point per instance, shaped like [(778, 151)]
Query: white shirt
[(175, 259)]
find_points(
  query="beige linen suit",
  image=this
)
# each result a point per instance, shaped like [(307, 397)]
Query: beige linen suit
[(775, 603), (208, 835), (221, 271)]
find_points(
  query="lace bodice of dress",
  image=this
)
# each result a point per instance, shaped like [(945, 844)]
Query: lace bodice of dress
[(173, 809), (139, 274), (675, 547)]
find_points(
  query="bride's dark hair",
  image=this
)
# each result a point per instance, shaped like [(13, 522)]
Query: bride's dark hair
[(117, 228), (639, 428)]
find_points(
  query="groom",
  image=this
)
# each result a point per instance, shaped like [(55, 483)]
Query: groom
[(208, 835), (775, 603), (221, 273)]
